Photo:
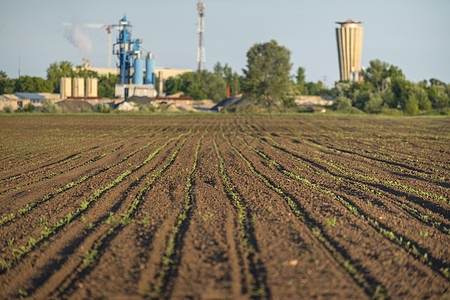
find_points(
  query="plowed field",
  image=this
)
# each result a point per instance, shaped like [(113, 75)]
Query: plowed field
[(224, 207)]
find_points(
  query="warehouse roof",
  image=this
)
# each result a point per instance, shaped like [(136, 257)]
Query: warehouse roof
[(37, 96)]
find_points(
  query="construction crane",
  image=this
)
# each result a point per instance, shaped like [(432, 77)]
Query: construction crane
[(108, 28)]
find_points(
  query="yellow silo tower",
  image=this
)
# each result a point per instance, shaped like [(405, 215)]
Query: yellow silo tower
[(349, 43)]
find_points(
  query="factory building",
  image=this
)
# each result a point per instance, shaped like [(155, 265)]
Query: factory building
[(349, 44), (165, 73), (132, 62)]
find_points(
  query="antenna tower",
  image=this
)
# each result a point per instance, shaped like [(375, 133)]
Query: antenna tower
[(201, 59)]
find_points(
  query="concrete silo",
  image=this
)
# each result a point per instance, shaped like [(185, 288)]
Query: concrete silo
[(78, 87), (91, 88), (65, 89)]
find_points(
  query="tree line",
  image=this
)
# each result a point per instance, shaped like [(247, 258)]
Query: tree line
[(56, 70), (267, 80)]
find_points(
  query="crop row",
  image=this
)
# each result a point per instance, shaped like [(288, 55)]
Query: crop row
[(171, 255), (51, 175), (82, 152), (369, 284), (115, 225), (414, 163), (377, 180), (421, 216), (386, 232), (29, 207), (245, 229), (17, 254), (32, 153), (372, 157)]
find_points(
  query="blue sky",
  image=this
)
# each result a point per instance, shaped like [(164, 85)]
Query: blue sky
[(411, 34)]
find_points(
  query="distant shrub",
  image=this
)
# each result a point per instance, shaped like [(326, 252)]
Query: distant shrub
[(29, 107), (8, 109), (445, 112), (354, 110), (307, 109), (391, 111), (50, 107), (103, 108), (342, 104), (147, 109), (412, 105), (374, 104), (289, 103)]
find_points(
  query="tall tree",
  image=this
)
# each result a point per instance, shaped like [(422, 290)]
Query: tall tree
[(301, 81), (32, 85), (231, 78), (58, 70), (267, 78), (6, 84), (107, 85)]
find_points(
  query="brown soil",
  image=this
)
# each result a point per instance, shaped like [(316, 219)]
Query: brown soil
[(224, 207)]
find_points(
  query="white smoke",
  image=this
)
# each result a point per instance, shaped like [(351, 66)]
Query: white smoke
[(78, 37)]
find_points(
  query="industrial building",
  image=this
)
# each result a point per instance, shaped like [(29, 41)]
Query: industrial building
[(349, 44), (21, 100), (132, 64), (164, 73)]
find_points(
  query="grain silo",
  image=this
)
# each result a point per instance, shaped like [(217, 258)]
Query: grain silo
[(65, 89), (78, 87), (91, 87)]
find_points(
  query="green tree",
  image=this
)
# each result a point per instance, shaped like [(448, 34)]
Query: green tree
[(422, 98), (194, 90), (58, 70), (441, 99), (360, 99), (412, 105), (214, 87), (300, 81), (267, 78), (198, 85), (28, 84), (6, 84), (374, 104), (107, 85), (231, 78), (376, 73), (342, 103)]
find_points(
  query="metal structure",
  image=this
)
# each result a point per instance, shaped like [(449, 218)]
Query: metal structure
[(150, 70), (130, 61), (201, 57), (129, 54), (126, 50)]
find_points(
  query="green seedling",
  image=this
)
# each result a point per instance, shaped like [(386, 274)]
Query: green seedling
[(146, 220), (22, 294), (331, 222), (207, 217)]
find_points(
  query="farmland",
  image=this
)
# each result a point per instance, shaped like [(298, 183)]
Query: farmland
[(224, 207)]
